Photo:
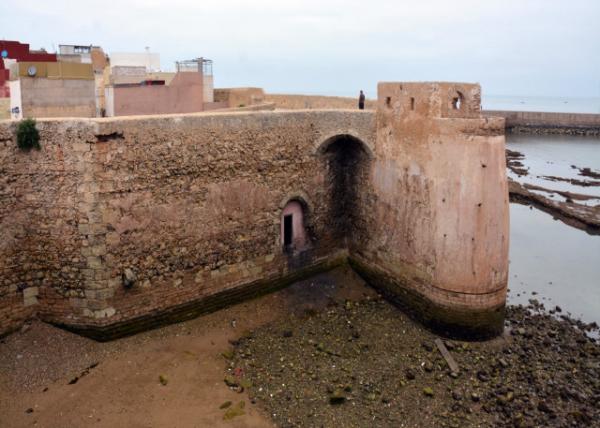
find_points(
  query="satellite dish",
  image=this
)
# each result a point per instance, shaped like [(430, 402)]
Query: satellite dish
[(31, 70)]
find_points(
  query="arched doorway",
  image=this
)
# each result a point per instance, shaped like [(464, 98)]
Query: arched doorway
[(348, 166), (293, 230)]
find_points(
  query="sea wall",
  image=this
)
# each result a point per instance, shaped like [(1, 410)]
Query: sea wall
[(548, 122)]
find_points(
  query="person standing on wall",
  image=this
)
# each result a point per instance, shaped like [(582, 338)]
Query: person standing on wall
[(361, 101)]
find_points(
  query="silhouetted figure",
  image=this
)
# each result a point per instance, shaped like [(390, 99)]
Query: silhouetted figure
[(361, 101)]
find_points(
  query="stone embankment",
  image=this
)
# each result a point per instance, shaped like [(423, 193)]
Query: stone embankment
[(529, 122)]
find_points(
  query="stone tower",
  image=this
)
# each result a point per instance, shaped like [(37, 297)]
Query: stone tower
[(438, 207)]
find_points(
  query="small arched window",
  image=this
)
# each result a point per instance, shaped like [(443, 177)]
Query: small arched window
[(293, 232), (457, 101)]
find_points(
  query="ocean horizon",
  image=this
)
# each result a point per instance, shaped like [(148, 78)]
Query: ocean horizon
[(545, 104)]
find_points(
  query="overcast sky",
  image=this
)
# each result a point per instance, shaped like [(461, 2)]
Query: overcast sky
[(511, 47)]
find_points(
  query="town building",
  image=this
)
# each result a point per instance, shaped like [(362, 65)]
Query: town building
[(89, 54), (39, 85), (136, 90), (12, 51), (82, 81)]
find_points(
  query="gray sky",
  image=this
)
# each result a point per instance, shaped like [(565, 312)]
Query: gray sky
[(511, 47)]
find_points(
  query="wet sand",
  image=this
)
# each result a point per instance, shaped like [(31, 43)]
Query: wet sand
[(41, 382), (288, 354)]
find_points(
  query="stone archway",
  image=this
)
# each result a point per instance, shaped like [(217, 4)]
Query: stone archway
[(347, 162)]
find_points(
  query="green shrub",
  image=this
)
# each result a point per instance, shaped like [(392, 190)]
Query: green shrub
[(28, 136)]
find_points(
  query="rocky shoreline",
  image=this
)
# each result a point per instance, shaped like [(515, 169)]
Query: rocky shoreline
[(576, 215), (364, 363), (571, 211)]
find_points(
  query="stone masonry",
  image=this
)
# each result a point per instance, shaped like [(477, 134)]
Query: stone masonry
[(118, 225)]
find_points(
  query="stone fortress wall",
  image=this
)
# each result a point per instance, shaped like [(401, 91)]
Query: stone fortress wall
[(121, 224)]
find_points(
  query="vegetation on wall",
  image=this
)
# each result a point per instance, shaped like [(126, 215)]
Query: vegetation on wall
[(28, 136)]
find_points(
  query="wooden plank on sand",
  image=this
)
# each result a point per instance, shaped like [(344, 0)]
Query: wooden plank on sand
[(444, 351)]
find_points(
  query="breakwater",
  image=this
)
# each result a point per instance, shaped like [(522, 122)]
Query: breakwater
[(533, 122)]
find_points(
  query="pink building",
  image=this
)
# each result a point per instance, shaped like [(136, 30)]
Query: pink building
[(191, 90), (183, 95)]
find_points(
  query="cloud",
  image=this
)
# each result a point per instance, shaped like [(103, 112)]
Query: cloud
[(528, 47)]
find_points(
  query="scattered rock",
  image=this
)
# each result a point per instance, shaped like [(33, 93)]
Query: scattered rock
[(428, 391), (128, 278), (231, 381), (483, 376), (228, 354), (163, 380), (337, 397), (501, 383), (235, 411)]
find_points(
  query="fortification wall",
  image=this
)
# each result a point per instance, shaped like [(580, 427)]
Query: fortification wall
[(120, 224), (294, 101), (190, 204), (42, 208)]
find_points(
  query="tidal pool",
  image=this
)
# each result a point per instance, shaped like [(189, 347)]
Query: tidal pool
[(554, 155), (558, 262)]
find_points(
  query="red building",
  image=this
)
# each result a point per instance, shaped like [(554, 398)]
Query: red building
[(21, 52), (10, 49)]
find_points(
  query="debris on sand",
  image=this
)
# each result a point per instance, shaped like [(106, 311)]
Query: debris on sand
[(235, 411), (85, 372), (545, 373), (163, 380)]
